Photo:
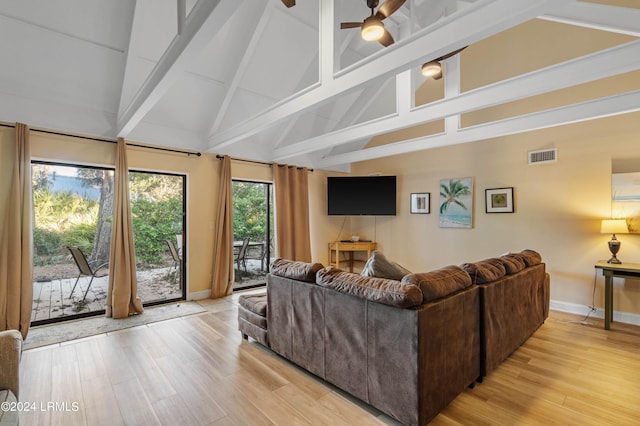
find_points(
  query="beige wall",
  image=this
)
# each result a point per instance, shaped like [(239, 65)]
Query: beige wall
[(558, 205), (202, 190)]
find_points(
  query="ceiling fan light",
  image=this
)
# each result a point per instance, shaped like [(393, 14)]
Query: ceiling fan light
[(372, 29), (431, 69)]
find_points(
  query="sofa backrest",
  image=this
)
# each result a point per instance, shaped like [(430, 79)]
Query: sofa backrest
[(295, 270), (440, 282), (398, 360), (379, 290)]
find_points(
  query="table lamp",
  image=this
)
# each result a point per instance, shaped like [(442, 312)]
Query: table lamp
[(614, 226)]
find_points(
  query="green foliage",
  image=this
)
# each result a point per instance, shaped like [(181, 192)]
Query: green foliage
[(249, 211), (156, 206), (62, 218), (45, 242), (81, 235)]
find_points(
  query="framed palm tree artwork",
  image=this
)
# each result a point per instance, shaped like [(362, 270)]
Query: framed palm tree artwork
[(456, 203)]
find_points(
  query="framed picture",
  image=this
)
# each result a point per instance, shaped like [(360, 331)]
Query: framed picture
[(499, 200), (421, 203), (456, 203)]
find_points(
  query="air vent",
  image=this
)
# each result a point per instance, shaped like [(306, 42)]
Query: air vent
[(543, 156)]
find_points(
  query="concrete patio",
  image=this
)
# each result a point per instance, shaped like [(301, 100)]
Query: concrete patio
[(51, 299)]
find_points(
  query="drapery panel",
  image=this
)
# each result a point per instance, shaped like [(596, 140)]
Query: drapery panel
[(16, 284), (293, 240), (223, 274), (122, 295)]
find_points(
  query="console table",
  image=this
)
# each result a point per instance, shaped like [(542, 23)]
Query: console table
[(610, 270), (350, 247)]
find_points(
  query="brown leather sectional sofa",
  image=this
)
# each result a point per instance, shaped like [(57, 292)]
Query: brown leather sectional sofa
[(406, 347)]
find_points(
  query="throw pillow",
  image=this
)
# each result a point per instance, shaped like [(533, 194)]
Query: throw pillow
[(380, 267)]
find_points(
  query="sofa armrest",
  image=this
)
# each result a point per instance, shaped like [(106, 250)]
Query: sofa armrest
[(10, 353)]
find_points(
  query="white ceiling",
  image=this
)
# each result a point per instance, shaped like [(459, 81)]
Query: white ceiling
[(259, 81)]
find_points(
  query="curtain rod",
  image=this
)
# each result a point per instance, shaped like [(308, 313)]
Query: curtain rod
[(220, 157), (158, 148)]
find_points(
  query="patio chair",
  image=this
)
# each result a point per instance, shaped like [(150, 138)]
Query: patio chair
[(257, 251), (174, 254), (85, 269), (240, 256)]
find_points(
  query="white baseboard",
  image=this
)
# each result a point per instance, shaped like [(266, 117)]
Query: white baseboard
[(197, 295), (573, 308)]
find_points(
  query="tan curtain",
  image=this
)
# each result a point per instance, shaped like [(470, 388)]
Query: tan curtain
[(222, 273), (16, 284), (122, 296), (292, 212)]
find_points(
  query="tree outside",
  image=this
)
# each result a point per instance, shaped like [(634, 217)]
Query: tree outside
[(73, 206)]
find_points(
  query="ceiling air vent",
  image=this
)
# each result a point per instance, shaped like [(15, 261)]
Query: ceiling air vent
[(543, 156)]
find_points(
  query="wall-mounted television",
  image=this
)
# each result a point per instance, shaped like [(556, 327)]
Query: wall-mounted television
[(361, 195)]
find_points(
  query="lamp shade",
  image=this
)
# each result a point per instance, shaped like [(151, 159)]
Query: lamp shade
[(614, 226)]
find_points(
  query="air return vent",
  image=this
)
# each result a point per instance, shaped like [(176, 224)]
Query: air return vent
[(543, 156)]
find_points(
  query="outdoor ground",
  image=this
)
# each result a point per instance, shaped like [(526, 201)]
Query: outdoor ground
[(53, 284), (52, 287)]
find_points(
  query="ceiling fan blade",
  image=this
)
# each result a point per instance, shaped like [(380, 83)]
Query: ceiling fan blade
[(289, 3), (388, 8), (345, 25), (448, 55), (386, 39)]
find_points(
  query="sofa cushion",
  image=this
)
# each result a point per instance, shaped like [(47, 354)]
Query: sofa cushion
[(512, 263), (380, 267), (485, 271), (295, 270), (530, 257), (380, 290), (256, 303), (439, 283)]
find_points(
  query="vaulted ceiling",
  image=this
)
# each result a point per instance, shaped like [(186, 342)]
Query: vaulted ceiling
[(257, 80)]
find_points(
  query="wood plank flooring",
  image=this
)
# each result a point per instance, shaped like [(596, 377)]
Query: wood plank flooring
[(198, 371)]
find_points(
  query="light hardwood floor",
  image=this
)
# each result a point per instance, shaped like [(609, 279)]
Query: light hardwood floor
[(198, 371)]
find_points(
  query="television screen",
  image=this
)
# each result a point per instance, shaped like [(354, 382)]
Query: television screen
[(361, 195)]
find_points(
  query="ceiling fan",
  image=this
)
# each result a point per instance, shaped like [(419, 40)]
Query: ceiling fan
[(372, 28), (289, 3), (434, 68)]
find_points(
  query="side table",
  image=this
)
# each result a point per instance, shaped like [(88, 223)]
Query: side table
[(609, 271)]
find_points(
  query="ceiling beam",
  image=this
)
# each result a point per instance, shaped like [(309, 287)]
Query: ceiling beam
[(595, 66), (615, 19), (483, 19), (204, 21), (590, 110)]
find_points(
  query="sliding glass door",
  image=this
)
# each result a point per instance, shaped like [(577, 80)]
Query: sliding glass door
[(252, 232), (158, 209), (72, 211)]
